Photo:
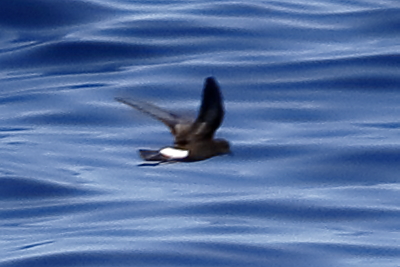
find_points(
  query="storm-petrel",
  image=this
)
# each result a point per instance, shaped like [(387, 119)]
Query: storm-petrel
[(194, 139)]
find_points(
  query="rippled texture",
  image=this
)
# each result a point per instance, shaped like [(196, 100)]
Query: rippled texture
[(312, 99)]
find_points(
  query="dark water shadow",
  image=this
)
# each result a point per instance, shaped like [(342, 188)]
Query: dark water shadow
[(288, 211), (48, 14), (183, 254), (72, 118), (75, 53), (21, 188), (365, 165)]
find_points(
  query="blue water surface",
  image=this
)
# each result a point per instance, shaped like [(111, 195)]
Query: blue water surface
[(312, 98)]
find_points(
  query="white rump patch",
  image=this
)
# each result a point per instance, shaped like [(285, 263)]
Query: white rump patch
[(174, 153)]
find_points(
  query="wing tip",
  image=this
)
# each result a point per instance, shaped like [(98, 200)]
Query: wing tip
[(211, 79)]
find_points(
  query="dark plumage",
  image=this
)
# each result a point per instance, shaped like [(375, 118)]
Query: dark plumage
[(194, 140)]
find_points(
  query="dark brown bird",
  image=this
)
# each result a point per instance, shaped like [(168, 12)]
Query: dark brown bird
[(194, 139)]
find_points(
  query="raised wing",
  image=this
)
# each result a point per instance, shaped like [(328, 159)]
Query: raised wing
[(211, 111)]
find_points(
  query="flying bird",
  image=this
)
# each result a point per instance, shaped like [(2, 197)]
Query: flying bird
[(194, 139)]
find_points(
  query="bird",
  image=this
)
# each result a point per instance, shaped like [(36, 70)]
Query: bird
[(193, 139)]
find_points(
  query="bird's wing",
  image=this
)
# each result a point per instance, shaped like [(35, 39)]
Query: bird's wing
[(211, 111), (168, 118)]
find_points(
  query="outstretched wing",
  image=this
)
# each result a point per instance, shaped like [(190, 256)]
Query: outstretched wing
[(168, 118), (211, 111)]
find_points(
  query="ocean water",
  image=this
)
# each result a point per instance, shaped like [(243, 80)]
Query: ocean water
[(312, 98)]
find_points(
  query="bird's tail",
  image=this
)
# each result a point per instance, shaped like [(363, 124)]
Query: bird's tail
[(151, 155)]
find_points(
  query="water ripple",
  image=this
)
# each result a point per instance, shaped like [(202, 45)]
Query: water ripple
[(312, 112)]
